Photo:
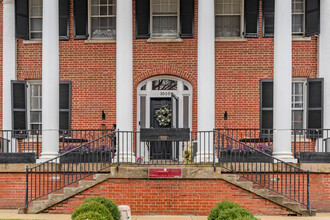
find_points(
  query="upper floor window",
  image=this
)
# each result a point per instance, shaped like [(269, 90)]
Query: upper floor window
[(165, 18), (305, 17), (35, 19), (102, 19), (298, 13), (228, 18)]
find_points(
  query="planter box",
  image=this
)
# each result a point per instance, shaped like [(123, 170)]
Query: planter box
[(249, 157), (313, 157), (17, 158), (94, 157)]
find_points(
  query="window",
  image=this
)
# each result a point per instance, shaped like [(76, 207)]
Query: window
[(165, 18), (298, 104), (305, 17), (102, 19), (307, 104), (35, 19), (298, 17), (27, 106), (228, 18), (35, 105)]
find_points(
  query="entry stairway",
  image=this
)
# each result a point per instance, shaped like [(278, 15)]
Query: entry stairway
[(73, 172)]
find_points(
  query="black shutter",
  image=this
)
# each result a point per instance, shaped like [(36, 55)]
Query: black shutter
[(266, 106), (142, 9), (186, 18), (19, 113), (80, 8), (315, 107), (64, 10), (251, 18), (312, 17), (268, 11), (65, 107), (22, 19)]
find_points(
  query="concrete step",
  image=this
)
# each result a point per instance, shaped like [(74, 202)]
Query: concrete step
[(53, 199), (278, 199), (264, 193)]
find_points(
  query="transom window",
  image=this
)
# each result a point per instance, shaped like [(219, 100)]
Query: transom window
[(298, 104), (35, 19), (165, 18), (228, 18), (164, 84), (298, 17), (102, 20), (35, 95)]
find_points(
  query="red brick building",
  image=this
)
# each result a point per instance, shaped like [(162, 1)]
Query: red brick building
[(256, 68)]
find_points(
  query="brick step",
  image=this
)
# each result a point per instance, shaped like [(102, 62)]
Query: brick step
[(266, 194), (53, 199)]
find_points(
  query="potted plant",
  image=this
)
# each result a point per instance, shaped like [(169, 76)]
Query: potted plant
[(245, 153), (87, 154)]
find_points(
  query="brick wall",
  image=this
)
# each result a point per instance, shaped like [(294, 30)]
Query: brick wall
[(239, 68), (166, 196)]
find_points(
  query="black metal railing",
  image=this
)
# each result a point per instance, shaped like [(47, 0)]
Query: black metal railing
[(257, 166), (20, 141), (68, 168), (311, 140), (199, 149)]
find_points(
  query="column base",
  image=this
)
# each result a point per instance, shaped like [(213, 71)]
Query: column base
[(205, 158), (285, 156), (48, 156), (125, 158)]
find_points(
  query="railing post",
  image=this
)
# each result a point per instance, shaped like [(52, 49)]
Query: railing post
[(308, 195), (295, 142), (37, 144), (26, 190), (117, 150), (214, 151)]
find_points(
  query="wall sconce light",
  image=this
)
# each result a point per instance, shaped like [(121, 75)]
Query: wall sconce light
[(103, 115), (225, 116)]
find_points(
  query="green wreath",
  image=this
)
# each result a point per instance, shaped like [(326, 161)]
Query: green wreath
[(164, 116)]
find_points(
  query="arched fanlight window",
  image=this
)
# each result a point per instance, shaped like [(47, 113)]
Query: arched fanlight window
[(164, 84)]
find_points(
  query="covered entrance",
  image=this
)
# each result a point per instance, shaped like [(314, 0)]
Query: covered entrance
[(163, 102)]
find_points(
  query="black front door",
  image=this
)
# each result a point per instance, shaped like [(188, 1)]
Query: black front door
[(160, 150)]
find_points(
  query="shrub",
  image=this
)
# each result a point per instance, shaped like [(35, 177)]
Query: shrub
[(110, 205), (90, 216), (229, 211), (92, 207)]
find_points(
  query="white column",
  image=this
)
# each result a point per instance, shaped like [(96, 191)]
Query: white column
[(124, 77), (50, 80), (9, 63), (206, 76), (282, 80), (324, 59)]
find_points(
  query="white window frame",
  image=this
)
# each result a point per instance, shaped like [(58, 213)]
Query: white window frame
[(241, 35), (304, 108), (90, 22), (29, 83), (178, 21), (303, 24), (31, 17)]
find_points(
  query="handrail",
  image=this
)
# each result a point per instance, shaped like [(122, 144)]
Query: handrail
[(264, 170), (68, 168)]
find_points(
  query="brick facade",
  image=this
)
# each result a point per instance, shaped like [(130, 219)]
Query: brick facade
[(164, 197), (239, 67)]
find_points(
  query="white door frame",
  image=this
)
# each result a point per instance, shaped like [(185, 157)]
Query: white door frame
[(148, 93)]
